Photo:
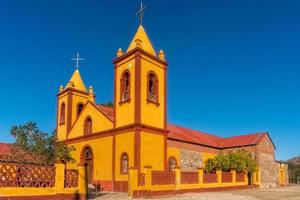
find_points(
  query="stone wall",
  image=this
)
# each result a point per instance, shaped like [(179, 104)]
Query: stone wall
[(269, 170), (190, 160)]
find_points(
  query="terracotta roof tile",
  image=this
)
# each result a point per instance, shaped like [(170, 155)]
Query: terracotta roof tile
[(5, 148), (241, 140), (199, 137), (109, 111), (185, 134)]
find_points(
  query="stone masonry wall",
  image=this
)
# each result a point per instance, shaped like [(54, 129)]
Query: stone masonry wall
[(269, 170), (190, 160)]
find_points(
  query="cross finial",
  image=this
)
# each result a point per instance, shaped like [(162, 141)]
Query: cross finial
[(77, 59), (140, 13)]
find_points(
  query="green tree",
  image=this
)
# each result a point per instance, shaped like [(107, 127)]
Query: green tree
[(240, 161), (35, 146)]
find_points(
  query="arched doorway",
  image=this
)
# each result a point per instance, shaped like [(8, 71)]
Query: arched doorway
[(88, 160)]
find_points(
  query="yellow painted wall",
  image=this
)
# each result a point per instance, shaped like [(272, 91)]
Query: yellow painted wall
[(152, 148), (100, 121), (124, 144), (152, 114), (102, 151), (61, 128), (77, 98), (125, 111), (174, 152)]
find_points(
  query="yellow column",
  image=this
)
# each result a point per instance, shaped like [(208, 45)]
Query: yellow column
[(233, 176), (200, 176), (178, 177), (148, 177), (219, 176), (59, 177), (133, 178), (82, 182), (254, 175), (258, 177)]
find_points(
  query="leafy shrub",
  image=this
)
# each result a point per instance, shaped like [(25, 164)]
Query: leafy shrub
[(240, 161)]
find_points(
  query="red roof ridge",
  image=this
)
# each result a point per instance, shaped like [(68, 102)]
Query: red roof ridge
[(109, 111), (247, 134), (210, 134)]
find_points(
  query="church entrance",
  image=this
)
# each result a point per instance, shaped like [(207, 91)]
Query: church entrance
[(88, 163)]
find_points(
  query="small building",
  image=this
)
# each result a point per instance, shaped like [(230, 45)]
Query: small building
[(135, 131)]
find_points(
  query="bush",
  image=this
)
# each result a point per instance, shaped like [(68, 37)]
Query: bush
[(240, 161)]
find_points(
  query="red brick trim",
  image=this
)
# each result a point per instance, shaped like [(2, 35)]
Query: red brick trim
[(137, 90), (115, 131), (48, 197), (72, 89), (138, 49), (137, 150), (121, 186), (104, 185)]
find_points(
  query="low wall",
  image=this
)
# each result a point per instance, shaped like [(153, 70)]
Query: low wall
[(151, 183), (41, 182)]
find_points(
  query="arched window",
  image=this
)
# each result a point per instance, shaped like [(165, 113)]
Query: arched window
[(172, 163), (79, 108), (124, 163), (125, 86), (62, 117), (88, 126), (152, 87)]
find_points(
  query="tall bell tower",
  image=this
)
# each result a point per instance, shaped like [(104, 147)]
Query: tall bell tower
[(140, 101), (140, 84)]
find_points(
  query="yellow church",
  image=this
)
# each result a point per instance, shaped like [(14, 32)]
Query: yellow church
[(135, 132)]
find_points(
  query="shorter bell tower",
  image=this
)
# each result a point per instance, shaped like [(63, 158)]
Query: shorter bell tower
[(70, 103)]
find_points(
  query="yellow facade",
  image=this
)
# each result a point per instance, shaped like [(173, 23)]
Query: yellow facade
[(102, 151), (90, 111), (152, 148), (124, 144)]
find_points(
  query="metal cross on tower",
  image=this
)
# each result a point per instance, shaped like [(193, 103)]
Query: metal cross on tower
[(77, 59), (140, 13)]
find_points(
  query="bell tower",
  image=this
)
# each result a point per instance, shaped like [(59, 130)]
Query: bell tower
[(140, 84), (70, 103)]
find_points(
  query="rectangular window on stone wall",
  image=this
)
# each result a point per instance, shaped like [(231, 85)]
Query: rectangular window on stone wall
[(190, 160)]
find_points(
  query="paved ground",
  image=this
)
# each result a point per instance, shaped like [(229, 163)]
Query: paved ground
[(286, 193)]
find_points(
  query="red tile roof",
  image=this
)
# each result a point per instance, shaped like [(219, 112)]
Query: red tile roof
[(241, 140), (107, 110), (198, 137), (5, 148), (185, 134)]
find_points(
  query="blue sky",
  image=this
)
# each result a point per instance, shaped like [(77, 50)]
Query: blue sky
[(234, 66)]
